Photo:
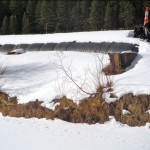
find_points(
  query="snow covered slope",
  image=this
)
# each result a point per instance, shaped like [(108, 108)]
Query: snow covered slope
[(98, 36), (33, 75), (36, 75), (41, 134)]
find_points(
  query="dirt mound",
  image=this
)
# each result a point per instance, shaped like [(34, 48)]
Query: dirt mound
[(10, 107), (136, 105), (95, 109), (91, 110)]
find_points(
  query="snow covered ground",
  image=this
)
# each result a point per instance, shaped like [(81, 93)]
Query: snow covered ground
[(34, 75), (41, 134), (108, 36)]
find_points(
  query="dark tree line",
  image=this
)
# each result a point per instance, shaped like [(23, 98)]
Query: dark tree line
[(49, 16)]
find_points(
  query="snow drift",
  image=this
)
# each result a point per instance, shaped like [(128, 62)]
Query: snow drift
[(33, 75)]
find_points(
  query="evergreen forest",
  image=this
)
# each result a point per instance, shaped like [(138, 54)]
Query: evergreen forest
[(51, 16)]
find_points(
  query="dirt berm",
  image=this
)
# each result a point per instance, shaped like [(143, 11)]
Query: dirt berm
[(91, 110)]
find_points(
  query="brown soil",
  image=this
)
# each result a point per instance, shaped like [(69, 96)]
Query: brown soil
[(10, 107), (91, 110)]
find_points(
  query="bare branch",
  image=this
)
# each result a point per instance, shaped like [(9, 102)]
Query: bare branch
[(70, 76)]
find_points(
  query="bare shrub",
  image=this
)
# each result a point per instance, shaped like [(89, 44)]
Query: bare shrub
[(66, 69), (97, 78)]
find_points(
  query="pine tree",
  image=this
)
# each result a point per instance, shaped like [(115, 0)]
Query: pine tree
[(68, 15), (1, 16), (26, 26), (85, 4), (5, 26), (121, 14), (38, 24), (129, 15), (96, 18), (13, 25), (52, 16), (5, 8), (30, 12), (77, 17), (17, 9), (48, 15), (14, 6), (71, 17), (139, 13), (62, 16), (24, 5), (111, 15), (44, 15), (146, 3)]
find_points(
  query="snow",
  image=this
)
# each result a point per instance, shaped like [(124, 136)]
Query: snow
[(35, 75), (17, 51), (136, 79), (127, 52), (38, 75), (37, 134), (125, 112), (108, 98), (96, 36)]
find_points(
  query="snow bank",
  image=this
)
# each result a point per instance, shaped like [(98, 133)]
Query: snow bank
[(98, 36), (37, 134), (35, 75)]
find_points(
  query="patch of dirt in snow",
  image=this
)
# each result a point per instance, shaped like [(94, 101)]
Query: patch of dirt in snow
[(90, 110), (10, 107)]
